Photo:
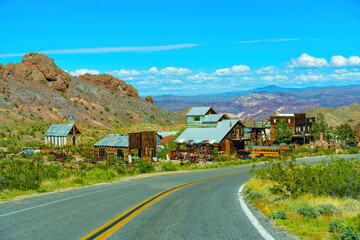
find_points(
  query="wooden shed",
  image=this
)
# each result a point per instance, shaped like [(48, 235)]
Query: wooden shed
[(145, 143), (112, 144)]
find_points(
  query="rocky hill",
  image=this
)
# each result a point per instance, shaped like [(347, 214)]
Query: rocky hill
[(335, 116), (37, 90)]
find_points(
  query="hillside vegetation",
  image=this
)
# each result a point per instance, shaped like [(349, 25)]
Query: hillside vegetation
[(336, 116), (37, 91)]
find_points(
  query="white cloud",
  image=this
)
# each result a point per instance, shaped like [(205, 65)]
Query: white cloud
[(273, 78), (267, 70), (234, 70), (309, 78), (125, 73), (307, 61), (175, 81), (340, 61), (83, 71), (174, 71), (108, 50)]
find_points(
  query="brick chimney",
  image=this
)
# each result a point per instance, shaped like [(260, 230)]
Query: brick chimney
[(321, 137)]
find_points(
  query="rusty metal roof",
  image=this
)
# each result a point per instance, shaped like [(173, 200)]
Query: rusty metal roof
[(113, 140), (59, 130)]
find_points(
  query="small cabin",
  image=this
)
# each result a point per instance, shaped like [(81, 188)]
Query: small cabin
[(112, 144), (60, 135)]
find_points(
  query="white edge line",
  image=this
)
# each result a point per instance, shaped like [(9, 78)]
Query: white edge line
[(252, 218)]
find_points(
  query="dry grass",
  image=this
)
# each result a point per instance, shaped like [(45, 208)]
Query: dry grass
[(304, 227)]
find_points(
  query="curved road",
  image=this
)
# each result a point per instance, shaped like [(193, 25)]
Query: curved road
[(204, 210)]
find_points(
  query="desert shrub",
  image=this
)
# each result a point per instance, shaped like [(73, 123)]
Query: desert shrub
[(353, 150), (79, 180), (100, 174), (338, 177), (327, 209), (309, 211), (278, 215), (24, 174), (13, 149), (145, 167), (168, 166), (336, 225)]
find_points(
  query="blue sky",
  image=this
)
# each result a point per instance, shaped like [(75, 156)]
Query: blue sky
[(191, 47)]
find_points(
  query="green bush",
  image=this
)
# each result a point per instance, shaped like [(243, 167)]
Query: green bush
[(309, 211), (353, 150), (336, 225), (13, 149), (145, 167), (327, 209), (2, 154), (100, 174), (338, 177), (278, 215), (168, 166)]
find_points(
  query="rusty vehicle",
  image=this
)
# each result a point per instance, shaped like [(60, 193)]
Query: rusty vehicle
[(205, 156), (193, 158), (243, 154), (175, 154), (45, 149)]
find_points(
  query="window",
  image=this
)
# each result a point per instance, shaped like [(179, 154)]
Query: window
[(197, 118), (310, 120), (102, 152), (274, 120), (289, 120)]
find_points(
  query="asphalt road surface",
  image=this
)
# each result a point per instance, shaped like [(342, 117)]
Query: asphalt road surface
[(205, 210)]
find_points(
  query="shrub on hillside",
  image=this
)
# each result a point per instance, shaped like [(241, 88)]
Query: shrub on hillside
[(13, 149), (327, 209), (278, 215), (168, 166)]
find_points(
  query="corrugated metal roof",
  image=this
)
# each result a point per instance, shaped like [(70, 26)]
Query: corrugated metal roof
[(213, 118), (213, 135), (198, 111), (114, 140), (59, 130)]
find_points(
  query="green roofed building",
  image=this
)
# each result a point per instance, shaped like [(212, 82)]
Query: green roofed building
[(60, 135)]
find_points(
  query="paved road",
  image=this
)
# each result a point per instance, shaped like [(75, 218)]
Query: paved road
[(205, 210)]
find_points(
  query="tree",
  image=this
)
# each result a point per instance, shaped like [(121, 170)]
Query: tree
[(283, 132), (320, 125), (345, 133)]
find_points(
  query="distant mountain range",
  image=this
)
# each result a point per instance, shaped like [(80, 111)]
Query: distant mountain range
[(260, 103)]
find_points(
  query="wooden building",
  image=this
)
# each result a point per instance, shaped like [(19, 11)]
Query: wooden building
[(122, 146), (60, 135), (145, 143), (112, 144), (196, 116), (299, 125), (227, 136)]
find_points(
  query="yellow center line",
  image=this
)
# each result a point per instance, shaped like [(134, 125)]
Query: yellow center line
[(110, 227)]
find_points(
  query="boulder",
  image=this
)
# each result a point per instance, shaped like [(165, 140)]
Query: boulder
[(111, 83), (149, 99)]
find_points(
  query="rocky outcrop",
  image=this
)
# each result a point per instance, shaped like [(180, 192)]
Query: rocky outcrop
[(149, 99), (111, 83), (39, 68)]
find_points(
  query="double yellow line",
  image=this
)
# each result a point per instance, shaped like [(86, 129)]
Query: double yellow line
[(110, 227)]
